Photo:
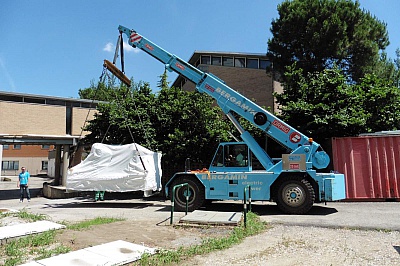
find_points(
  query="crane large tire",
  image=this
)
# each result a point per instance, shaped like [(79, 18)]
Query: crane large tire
[(196, 193), (295, 195)]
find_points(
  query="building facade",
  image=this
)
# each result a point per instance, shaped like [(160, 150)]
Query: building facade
[(32, 125), (244, 72)]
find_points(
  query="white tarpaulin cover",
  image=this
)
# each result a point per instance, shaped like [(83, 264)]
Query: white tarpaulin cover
[(117, 169)]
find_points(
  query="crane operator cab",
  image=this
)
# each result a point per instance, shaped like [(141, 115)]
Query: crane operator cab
[(232, 155)]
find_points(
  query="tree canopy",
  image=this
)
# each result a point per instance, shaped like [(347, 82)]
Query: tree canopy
[(179, 123), (337, 78), (324, 105), (321, 34)]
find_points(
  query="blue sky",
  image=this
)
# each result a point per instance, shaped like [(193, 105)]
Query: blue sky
[(55, 48)]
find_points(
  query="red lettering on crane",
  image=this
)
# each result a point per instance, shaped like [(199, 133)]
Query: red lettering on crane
[(281, 126), (179, 66), (148, 46), (208, 87)]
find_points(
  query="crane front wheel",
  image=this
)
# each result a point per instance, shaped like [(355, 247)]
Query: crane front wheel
[(196, 193)]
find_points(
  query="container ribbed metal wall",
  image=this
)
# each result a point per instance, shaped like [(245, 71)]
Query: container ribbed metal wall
[(371, 165)]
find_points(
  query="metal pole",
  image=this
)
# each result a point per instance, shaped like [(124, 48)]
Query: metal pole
[(249, 198), (245, 207), (187, 197), (173, 200), (172, 205), (245, 203)]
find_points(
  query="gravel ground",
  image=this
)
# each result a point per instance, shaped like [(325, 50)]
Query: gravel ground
[(297, 245)]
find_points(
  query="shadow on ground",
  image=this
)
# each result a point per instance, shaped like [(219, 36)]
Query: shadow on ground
[(14, 193), (397, 248), (265, 209), (102, 204)]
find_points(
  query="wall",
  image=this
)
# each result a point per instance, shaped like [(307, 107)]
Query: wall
[(28, 118), (78, 119), (254, 84), (371, 166)]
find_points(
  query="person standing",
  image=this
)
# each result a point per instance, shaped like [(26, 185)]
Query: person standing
[(23, 184)]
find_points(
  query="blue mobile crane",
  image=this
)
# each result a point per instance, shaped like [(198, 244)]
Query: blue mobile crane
[(291, 181)]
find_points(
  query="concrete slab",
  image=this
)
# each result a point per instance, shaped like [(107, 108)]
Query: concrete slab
[(114, 253), (121, 251), (212, 217), (19, 230), (77, 258)]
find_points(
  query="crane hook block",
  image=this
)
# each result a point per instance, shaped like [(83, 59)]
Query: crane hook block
[(116, 72)]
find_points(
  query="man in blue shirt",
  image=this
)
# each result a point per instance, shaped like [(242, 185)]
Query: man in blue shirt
[(23, 182)]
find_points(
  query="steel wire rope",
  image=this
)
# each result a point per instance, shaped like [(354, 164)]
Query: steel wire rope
[(104, 73)]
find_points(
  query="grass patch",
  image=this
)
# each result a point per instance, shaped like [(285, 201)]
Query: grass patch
[(25, 215), (38, 246), (97, 221), (165, 257), (43, 245)]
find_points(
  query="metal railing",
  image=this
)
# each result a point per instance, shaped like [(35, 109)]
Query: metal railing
[(173, 199), (245, 203)]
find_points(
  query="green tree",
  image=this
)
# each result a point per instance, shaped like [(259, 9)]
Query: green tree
[(321, 105), (125, 118), (326, 33), (397, 70), (324, 105), (188, 126), (381, 102), (179, 123)]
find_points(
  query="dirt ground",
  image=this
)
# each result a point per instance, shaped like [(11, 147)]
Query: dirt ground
[(278, 245), (150, 235)]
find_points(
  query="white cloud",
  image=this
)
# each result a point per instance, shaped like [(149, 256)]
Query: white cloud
[(109, 47), (7, 75), (129, 48)]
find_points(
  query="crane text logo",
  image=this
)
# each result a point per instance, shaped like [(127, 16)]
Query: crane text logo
[(237, 102), (226, 177)]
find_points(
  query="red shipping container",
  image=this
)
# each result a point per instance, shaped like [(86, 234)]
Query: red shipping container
[(371, 165)]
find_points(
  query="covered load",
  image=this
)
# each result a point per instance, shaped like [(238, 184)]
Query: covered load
[(115, 168)]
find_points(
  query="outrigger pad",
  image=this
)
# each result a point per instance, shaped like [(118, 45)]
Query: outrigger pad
[(116, 72)]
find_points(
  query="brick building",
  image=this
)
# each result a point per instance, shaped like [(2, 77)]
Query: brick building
[(244, 72), (32, 125)]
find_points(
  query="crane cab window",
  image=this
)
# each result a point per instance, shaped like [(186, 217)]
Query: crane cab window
[(231, 155)]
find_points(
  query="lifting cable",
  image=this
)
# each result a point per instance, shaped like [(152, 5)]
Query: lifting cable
[(121, 76), (101, 80)]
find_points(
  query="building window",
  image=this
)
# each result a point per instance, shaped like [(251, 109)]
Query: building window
[(240, 62), (17, 146), (45, 165), (216, 60), (6, 147), (205, 60), (45, 147), (227, 61), (252, 63), (10, 165), (264, 64), (68, 120)]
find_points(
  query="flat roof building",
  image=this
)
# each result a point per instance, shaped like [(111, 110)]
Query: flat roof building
[(31, 125), (244, 72)]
